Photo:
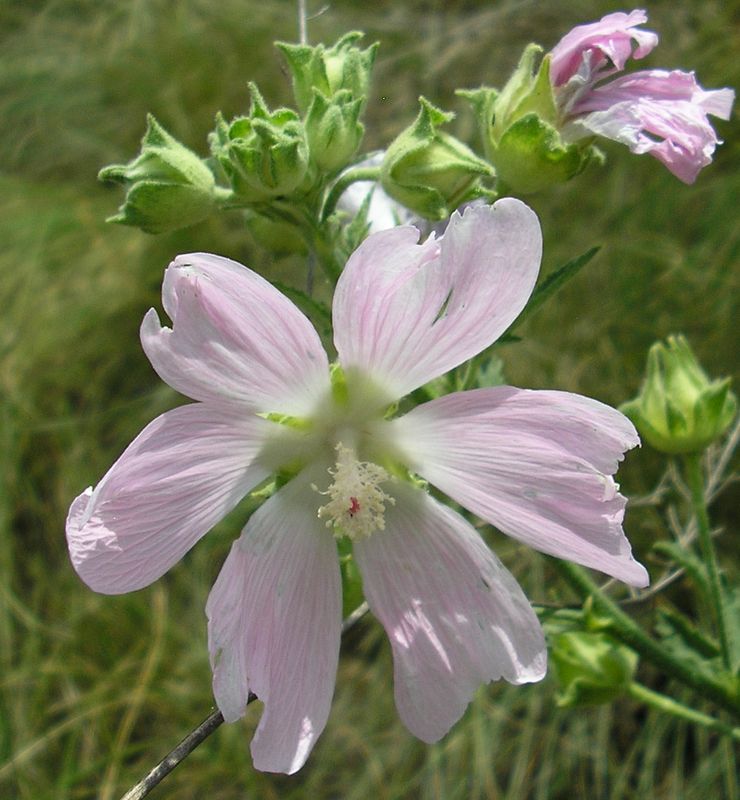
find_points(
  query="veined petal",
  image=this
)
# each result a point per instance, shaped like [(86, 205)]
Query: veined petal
[(181, 475), (455, 617), (658, 112), (610, 38), (536, 464), (274, 625), (235, 339), (406, 313)]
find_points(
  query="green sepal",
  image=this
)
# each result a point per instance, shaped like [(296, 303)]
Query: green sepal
[(520, 130), (679, 410), (264, 155), (430, 171), (169, 186), (333, 130), (329, 70), (531, 156), (591, 668)]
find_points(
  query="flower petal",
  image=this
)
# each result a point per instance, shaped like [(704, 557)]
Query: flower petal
[(455, 617), (182, 474), (235, 339), (536, 464), (610, 38), (274, 627), (405, 313)]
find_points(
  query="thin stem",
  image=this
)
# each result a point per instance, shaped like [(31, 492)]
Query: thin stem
[(302, 19), (204, 730), (343, 182), (628, 631), (695, 479), (676, 709)]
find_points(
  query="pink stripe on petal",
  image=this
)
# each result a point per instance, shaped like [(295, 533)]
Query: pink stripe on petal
[(455, 617), (235, 339), (536, 464), (274, 625), (406, 313), (181, 475)]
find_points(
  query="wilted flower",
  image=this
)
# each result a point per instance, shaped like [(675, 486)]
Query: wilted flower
[(536, 464), (655, 111)]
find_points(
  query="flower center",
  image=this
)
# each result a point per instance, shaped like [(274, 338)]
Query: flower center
[(357, 503)]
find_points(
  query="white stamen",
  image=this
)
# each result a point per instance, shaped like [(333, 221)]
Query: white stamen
[(357, 505)]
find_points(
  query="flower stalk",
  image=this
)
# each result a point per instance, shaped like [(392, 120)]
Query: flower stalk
[(695, 479), (622, 626)]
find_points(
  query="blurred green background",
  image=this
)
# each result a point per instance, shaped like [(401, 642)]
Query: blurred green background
[(93, 689)]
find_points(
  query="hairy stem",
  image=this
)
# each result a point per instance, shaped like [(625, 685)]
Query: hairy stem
[(628, 631), (676, 709), (695, 479)]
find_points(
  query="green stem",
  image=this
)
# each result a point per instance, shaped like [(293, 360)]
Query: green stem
[(343, 182), (676, 709), (628, 631), (695, 478)]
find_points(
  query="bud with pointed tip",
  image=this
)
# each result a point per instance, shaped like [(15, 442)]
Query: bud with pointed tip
[(264, 155), (168, 186), (342, 67), (333, 129), (679, 410), (432, 172)]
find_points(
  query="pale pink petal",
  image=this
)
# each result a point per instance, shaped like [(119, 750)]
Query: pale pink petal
[(235, 339), (536, 464), (275, 616), (455, 617), (405, 313), (610, 38), (658, 112), (182, 474)]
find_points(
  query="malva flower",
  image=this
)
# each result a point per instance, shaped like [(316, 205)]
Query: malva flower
[(536, 464), (655, 111)]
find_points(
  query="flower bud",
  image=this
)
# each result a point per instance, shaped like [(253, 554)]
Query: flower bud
[(591, 668), (679, 410), (431, 172), (519, 128), (342, 67), (168, 186), (264, 155), (333, 130)]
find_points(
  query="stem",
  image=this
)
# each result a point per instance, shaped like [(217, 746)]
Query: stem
[(204, 730), (673, 707), (695, 478), (343, 182), (628, 631)]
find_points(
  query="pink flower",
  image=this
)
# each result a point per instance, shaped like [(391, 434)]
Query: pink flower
[(652, 111), (536, 464)]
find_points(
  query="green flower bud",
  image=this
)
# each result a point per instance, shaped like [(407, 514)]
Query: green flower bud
[(591, 668), (520, 130), (168, 186), (431, 172), (264, 155), (342, 67), (333, 130), (679, 410)]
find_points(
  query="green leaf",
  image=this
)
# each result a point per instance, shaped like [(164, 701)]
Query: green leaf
[(552, 284), (314, 309)]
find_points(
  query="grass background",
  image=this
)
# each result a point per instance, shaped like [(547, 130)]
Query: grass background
[(94, 689)]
